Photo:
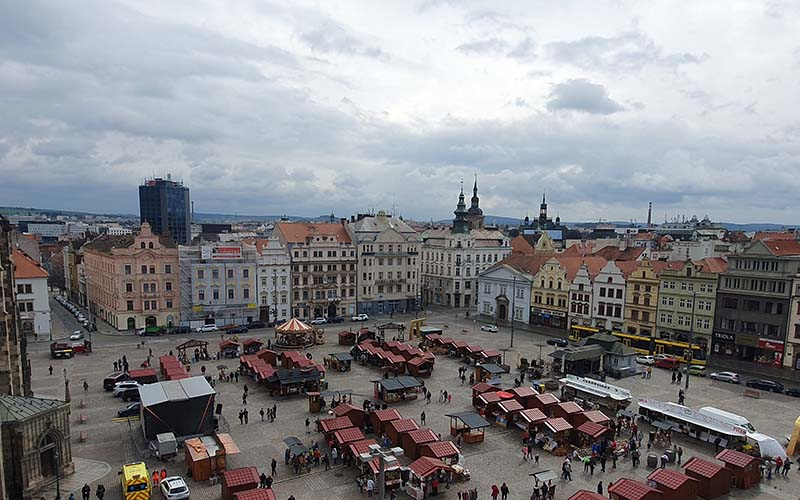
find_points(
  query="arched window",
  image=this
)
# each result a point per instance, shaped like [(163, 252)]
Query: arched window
[(142, 244), (150, 245), (610, 279)]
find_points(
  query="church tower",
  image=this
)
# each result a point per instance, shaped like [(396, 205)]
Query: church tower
[(543, 212), (461, 222), (475, 214)]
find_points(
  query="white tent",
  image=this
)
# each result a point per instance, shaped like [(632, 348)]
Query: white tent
[(767, 447)]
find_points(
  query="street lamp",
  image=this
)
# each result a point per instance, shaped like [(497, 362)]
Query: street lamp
[(691, 339), (385, 457), (58, 475), (513, 307)]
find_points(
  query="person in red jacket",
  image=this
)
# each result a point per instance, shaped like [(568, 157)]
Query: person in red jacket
[(495, 491)]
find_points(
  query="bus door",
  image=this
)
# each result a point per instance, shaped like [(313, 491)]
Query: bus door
[(659, 349)]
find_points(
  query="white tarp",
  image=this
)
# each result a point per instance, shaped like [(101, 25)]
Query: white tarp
[(767, 447)]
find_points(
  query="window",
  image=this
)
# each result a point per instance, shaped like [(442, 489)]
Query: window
[(245, 293), (129, 287), (215, 294), (200, 274), (602, 292), (230, 274), (130, 305), (128, 269), (167, 269), (144, 269), (619, 293), (245, 273), (201, 294), (215, 274), (634, 315), (152, 269), (168, 286), (146, 303), (169, 304), (730, 303), (487, 288), (231, 293)]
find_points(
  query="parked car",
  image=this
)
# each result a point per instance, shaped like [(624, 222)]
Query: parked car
[(319, 321), (130, 395), (489, 328), (236, 330), (208, 328), (794, 392), (256, 324), (336, 319), (130, 410), (113, 379), (646, 360), (359, 317), (730, 377), (151, 331), (558, 342), (765, 385), (76, 335), (668, 363), (174, 488), (697, 370), (119, 387)]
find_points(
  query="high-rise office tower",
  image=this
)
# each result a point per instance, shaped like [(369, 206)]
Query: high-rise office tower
[(165, 204)]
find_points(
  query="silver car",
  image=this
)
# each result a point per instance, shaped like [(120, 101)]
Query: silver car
[(121, 387), (174, 488), (730, 377)]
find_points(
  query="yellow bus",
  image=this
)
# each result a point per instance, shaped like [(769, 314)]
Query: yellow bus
[(578, 332), (135, 481), (676, 349)]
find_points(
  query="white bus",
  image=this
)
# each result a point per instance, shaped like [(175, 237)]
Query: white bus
[(730, 418)]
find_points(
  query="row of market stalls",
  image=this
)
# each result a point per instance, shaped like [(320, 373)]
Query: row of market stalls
[(439, 344), (394, 357), (171, 368), (230, 348), (284, 373), (429, 456)]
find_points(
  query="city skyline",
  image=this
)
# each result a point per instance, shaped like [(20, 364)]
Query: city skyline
[(302, 110)]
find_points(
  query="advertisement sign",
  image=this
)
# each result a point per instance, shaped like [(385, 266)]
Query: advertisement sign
[(748, 340), (225, 253), (724, 337), (770, 345)]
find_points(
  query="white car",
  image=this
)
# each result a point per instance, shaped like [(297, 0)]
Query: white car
[(76, 335), (360, 317), (489, 328), (730, 377), (208, 328), (319, 321), (174, 488), (120, 387), (646, 360)]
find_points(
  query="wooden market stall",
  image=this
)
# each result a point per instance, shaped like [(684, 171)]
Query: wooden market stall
[(345, 436), (480, 388), (411, 441), (744, 468), (396, 428), (392, 478), (446, 451), (530, 420), (457, 348), (421, 474), (566, 410), (488, 401), (557, 433), (356, 415), (197, 349), (524, 395), (673, 485), (628, 489), (489, 371), (228, 349), (252, 346), (339, 361), (236, 480), (507, 412), (379, 418), (545, 402), (586, 495), (356, 448), (473, 353), (346, 337), (207, 455), (590, 433), (328, 426), (713, 480), (595, 416), (490, 356), (269, 356), (256, 494), (297, 381), (395, 389), (469, 424), (419, 367)]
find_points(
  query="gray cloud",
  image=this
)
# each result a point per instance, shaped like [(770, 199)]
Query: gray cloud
[(482, 47), (582, 95), (332, 38)]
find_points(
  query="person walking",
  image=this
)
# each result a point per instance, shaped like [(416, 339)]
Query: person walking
[(269, 482), (504, 491), (100, 492), (335, 455), (680, 376), (308, 426), (262, 480), (274, 466), (370, 487), (246, 416), (495, 492), (600, 488), (422, 418), (261, 412), (679, 454), (86, 491)]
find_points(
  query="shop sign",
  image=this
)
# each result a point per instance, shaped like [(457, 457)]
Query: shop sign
[(770, 345), (747, 340), (724, 337)]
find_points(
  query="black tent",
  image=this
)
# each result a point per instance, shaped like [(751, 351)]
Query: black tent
[(184, 407)]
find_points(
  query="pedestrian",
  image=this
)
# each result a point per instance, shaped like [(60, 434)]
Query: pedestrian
[(236, 376), (786, 466), (716, 444), (370, 487), (244, 398), (116, 367), (613, 460), (603, 459), (326, 461), (274, 411), (155, 479), (664, 460), (269, 482), (591, 466), (241, 417), (422, 418), (100, 492), (261, 412), (335, 455), (449, 397), (246, 416), (600, 488), (308, 426), (245, 388), (680, 376), (674, 376), (262, 480), (681, 397), (274, 466), (495, 492), (72, 496), (524, 453), (679, 454), (86, 491), (85, 386), (50, 368), (504, 491)]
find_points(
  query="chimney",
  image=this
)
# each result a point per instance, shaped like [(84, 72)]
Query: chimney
[(650, 215)]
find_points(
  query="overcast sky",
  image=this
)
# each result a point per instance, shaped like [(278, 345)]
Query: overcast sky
[(265, 108)]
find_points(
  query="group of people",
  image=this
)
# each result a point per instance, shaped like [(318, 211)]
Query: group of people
[(777, 467)]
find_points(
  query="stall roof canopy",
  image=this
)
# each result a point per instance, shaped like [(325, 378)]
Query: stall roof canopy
[(735, 458), (579, 353), (240, 477), (442, 449), (192, 343), (596, 416), (387, 415), (348, 435), (248, 342), (493, 368), (570, 407), (228, 343), (482, 387), (586, 495), (547, 399), (421, 436), (297, 375), (490, 353), (362, 446), (470, 419), (255, 494), (342, 356), (403, 425), (668, 478), (345, 408), (175, 390), (592, 429), (524, 392), (544, 476), (426, 466), (510, 406), (204, 447), (418, 361), (630, 489), (335, 424), (398, 383), (557, 424), (533, 415), (295, 445), (702, 468), (294, 325)]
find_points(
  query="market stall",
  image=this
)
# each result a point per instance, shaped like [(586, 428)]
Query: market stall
[(488, 372), (566, 410), (589, 433), (392, 476), (457, 348), (713, 480), (328, 426), (744, 468), (356, 448), (421, 474), (252, 346), (490, 356), (488, 401), (395, 389), (586, 495), (557, 433), (298, 381), (545, 402), (469, 424), (507, 412), (198, 349), (530, 420), (628, 489), (673, 485), (208, 455), (419, 367), (355, 414), (396, 428), (256, 494), (347, 337), (345, 436), (237, 480), (295, 447), (411, 441), (596, 416), (473, 353), (524, 395), (480, 388), (446, 451), (228, 349), (339, 361), (380, 418), (269, 356)]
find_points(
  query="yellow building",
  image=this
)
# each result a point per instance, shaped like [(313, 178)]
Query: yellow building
[(641, 294), (550, 295)]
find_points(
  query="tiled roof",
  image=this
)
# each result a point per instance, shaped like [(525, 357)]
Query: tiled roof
[(255, 494), (735, 458), (592, 429), (13, 408), (669, 478), (527, 264), (425, 466), (533, 415), (345, 408), (344, 436), (474, 348), (482, 387), (421, 436), (240, 477), (570, 407), (712, 264), (489, 353), (442, 449), (547, 399), (586, 495), (702, 468), (781, 248), (362, 446), (522, 245), (571, 265), (489, 397), (25, 267), (614, 253), (557, 424), (774, 236), (300, 232), (403, 425), (335, 424), (524, 392), (630, 489), (596, 416), (387, 415), (511, 406)]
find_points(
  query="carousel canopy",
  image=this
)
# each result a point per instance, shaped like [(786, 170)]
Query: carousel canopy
[(294, 325)]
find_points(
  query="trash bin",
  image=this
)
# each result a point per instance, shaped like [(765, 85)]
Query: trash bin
[(652, 460), (671, 455)]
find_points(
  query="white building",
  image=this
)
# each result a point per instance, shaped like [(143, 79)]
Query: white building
[(274, 280), (505, 290), (32, 297), (388, 263), (118, 231), (609, 298), (581, 297)]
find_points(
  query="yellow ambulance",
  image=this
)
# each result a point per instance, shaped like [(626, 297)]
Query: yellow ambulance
[(135, 481)]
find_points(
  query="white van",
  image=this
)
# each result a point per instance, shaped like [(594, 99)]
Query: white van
[(727, 417)]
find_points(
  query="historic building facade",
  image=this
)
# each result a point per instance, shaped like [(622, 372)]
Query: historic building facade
[(15, 369), (550, 295), (504, 290), (274, 280), (452, 258), (33, 301), (323, 268), (388, 252), (641, 295), (132, 280), (608, 312)]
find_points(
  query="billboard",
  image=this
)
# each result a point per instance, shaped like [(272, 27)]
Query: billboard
[(221, 253)]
